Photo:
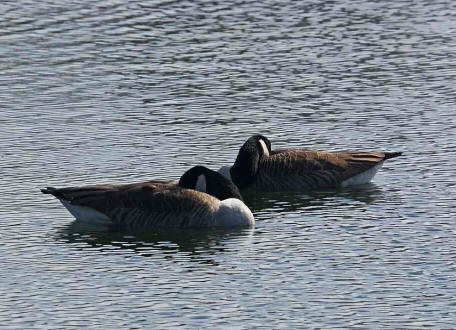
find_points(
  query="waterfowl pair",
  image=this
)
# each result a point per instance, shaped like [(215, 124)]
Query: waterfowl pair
[(160, 203), (259, 168)]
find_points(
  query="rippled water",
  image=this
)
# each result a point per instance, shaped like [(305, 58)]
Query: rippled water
[(118, 91)]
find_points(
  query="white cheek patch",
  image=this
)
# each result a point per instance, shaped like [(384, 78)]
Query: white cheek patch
[(201, 183), (265, 148)]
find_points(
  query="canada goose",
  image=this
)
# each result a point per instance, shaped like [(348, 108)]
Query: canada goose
[(160, 203), (259, 168)]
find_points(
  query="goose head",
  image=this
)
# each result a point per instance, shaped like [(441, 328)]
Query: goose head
[(231, 211), (245, 168), (203, 179)]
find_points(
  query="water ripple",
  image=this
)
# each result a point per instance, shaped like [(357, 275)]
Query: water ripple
[(120, 92)]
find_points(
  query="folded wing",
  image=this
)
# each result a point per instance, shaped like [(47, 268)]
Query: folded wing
[(148, 204), (298, 168)]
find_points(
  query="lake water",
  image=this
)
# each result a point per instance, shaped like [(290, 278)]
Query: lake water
[(117, 92)]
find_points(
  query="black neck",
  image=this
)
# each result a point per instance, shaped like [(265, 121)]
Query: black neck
[(216, 184), (245, 168), (190, 178)]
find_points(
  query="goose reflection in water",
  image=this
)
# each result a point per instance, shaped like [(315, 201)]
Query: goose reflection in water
[(197, 244), (292, 201)]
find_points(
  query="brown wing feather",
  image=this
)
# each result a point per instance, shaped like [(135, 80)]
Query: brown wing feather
[(149, 205), (142, 204), (359, 161), (289, 161), (298, 168), (73, 193)]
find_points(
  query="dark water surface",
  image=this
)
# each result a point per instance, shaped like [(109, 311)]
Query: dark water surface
[(117, 91)]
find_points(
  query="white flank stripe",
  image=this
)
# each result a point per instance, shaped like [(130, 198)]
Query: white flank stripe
[(85, 213), (363, 177)]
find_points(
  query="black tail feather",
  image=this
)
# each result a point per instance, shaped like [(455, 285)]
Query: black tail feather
[(54, 192), (48, 190), (389, 155)]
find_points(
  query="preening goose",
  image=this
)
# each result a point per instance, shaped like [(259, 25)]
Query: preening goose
[(259, 168), (160, 203)]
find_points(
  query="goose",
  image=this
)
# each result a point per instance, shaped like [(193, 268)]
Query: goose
[(160, 203), (259, 168)]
